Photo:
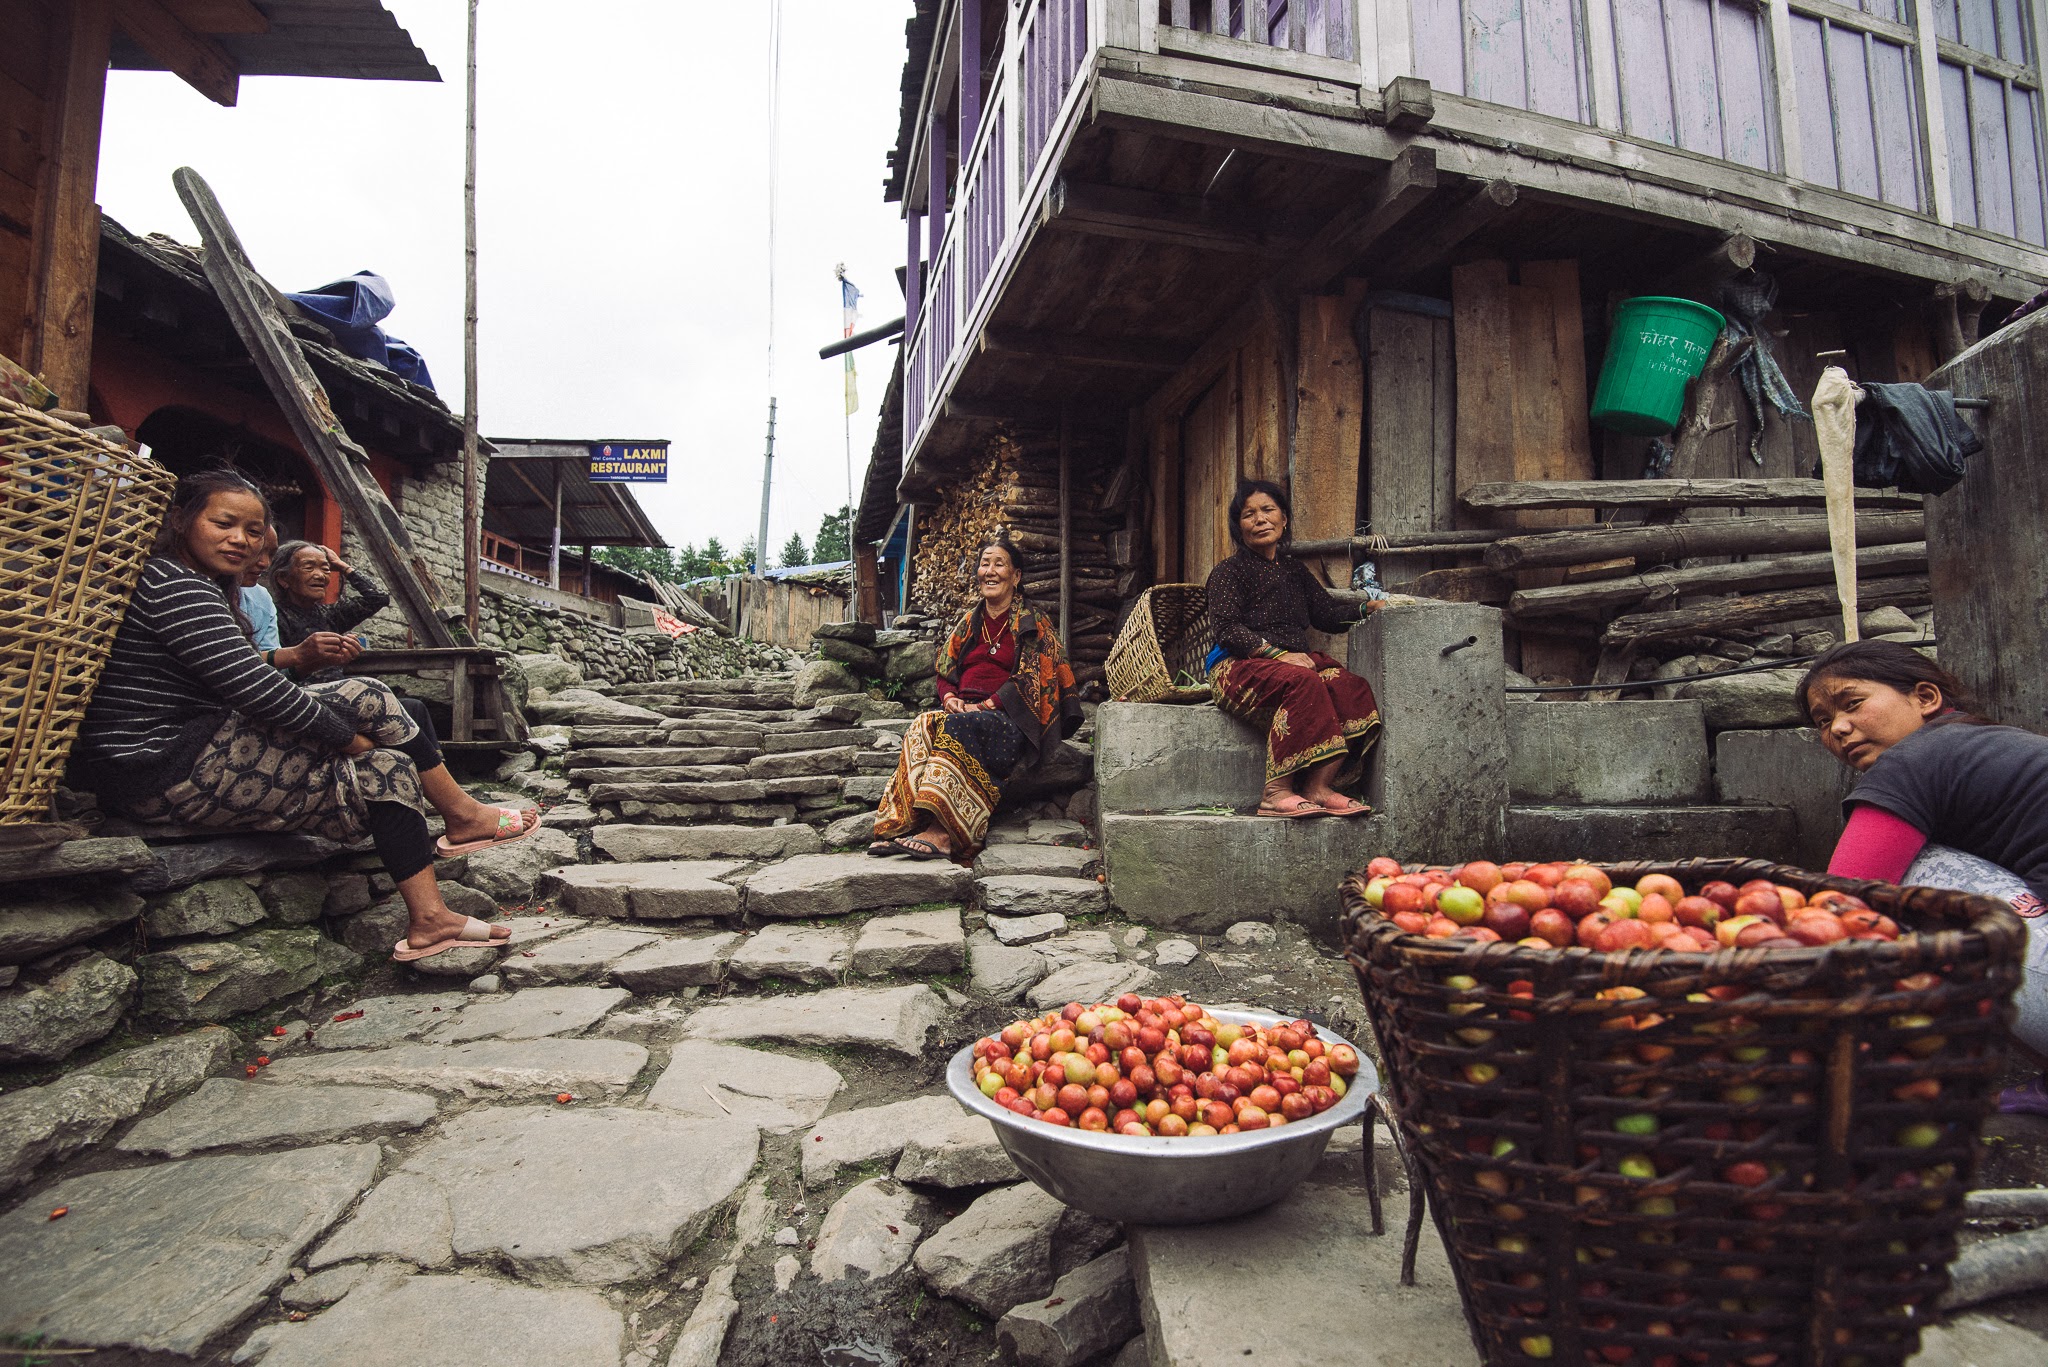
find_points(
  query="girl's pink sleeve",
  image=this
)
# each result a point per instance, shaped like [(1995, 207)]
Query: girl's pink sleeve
[(1876, 844)]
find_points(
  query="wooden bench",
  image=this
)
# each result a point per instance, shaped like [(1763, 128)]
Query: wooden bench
[(484, 718)]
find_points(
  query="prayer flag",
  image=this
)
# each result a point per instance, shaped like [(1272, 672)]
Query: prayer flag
[(849, 304)]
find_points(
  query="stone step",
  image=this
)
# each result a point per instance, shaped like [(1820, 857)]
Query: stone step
[(1051, 861), (655, 890), (660, 773), (835, 884), (1675, 832), (581, 737), (1031, 894), (897, 1018), (655, 756), (776, 742), (732, 733), (1202, 874), (637, 844), (803, 763)]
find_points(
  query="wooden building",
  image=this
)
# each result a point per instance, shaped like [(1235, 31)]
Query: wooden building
[(543, 513), (1371, 248)]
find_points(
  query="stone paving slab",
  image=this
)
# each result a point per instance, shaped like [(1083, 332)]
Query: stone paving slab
[(911, 942), (1086, 983), (586, 956), (784, 764), (870, 1232), (835, 884), (38, 1124), (1091, 1311), (638, 844), (871, 1133), (799, 953), (527, 931), (961, 1151), (1002, 972), (1188, 1276), (1014, 1242), (1031, 894), (1045, 861), (165, 1257), (785, 742), (647, 890), (682, 961), (230, 1111), (386, 1020), (659, 757), (1024, 930), (465, 1321), (774, 1091), (727, 790), (897, 1018), (609, 1194), (488, 1067), (532, 1014)]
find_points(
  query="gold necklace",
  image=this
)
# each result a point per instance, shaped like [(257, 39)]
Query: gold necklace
[(987, 639)]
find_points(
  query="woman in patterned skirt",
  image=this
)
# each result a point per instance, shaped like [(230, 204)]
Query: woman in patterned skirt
[(190, 726), (1007, 700), (1319, 718)]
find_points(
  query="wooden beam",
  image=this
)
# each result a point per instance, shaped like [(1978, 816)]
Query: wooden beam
[(1668, 493), (1024, 412), (1438, 240), (67, 236), (1123, 353), (1733, 254), (219, 16), (195, 58), (1409, 180), (1792, 571), (1958, 311), (342, 466), (1156, 216), (1408, 103), (1684, 541), (1758, 609)]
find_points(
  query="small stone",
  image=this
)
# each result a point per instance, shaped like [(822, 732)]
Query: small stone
[(799, 953), (1009, 1247), (1079, 946), (48, 1013), (1174, 953), (1813, 642), (786, 1269), (1027, 894), (487, 1067), (1246, 934), (655, 890), (1024, 930), (963, 1151), (34, 930), (1086, 983), (1091, 1310), (323, 1289), (586, 956), (911, 942), (211, 980), (1746, 702), (509, 874), (534, 1013), (851, 830), (1053, 831), (869, 1134), (487, 982), (218, 906), (774, 1091), (229, 1111), (787, 1237), (897, 1018), (684, 961), (870, 1232), (391, 1321), (347, 894), (167, 1256), (1134, 938), (294, 899), (1001, 972), (702, 1339)]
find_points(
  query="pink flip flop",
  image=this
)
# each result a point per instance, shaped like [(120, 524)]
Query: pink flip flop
[(509, 830), (474, 934)]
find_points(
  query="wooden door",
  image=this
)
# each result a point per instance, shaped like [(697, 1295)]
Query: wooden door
[(1209, 468), (1411, 407)]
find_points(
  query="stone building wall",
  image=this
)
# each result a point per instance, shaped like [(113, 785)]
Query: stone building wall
[(430, 508)]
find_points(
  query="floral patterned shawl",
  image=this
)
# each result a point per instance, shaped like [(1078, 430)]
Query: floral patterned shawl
[(1040, 699)]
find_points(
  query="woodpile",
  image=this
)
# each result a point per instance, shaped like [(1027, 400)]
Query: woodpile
[(1015, 488)]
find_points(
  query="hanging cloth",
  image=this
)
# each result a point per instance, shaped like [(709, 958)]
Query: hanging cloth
[(1834, 424), (1909, 437), (1745, 302)]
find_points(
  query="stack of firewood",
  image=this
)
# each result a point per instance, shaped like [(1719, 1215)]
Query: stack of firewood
[(1015, 488)]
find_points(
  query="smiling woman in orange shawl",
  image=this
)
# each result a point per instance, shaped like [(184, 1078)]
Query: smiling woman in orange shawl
[(1007, 700)]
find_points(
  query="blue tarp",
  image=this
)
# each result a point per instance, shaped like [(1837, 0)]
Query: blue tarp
[(351, 309)]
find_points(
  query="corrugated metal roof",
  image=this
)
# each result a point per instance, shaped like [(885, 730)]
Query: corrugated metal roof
[(519, 486), (346, 39)]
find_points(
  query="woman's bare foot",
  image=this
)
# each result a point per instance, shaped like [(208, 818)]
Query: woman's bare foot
[(480, 822)]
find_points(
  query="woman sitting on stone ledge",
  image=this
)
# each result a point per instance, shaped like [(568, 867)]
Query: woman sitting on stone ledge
[(1007, 700), (300, 573), (1319, 718), (190, 726)]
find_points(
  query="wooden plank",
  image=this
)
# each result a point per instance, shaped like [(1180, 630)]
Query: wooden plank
[(1323, 475), (1409, 180), (1156, 216), (195, 58), (219, 16), (66, 241), (1465, 585), (1559, 282), (341, 464), (1664, 493), (1421, 250), (1401, 450), (1117, 353), (1758, 609), (1481, 319), (1744, 69), (1792, 571)]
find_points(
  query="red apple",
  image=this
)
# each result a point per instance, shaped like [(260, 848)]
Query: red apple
[(1723, 894), (1509, 921), (1816, 928), (1553, 926), (1383, 867), (1629, 934), (1761, 901), (1528, 894), (1662, 884), (1575, 897), (1400, 897), (1698, 911), (1589, 874), (1480, 875)]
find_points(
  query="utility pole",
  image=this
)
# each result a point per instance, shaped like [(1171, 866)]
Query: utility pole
[(774, 156), (472, 509), (767, 481)]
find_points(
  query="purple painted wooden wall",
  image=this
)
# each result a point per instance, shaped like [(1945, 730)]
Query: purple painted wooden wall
[(1994, 162)]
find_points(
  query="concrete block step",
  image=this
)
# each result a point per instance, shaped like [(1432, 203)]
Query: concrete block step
[(1675, 832), (1203, 874), (1608, 753)]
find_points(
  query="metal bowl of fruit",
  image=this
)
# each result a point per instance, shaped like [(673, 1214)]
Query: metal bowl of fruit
[(1183, 1179)]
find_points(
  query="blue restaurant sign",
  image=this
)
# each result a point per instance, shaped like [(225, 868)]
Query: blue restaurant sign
[(622, 462)]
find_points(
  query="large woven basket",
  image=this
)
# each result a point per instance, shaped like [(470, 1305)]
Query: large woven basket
[(1160, 649), (79, 516), (1859, 1091)]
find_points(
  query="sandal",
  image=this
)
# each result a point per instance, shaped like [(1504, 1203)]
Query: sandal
[(1270, 806), (885, 849), (1351, 807), (474, 934), (509, 830), (921, 849), (2029, 1098)]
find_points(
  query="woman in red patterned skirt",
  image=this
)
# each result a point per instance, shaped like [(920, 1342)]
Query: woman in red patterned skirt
[(1319, 718)]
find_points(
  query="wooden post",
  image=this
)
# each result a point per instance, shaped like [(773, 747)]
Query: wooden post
[(67, 235), (472, 503), (1066, 524), (555, 547), (586, 571), (341, 464)]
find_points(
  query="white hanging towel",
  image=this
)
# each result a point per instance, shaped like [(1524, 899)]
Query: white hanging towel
[(1834, 424)]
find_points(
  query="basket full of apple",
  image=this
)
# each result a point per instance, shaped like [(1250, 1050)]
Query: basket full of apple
[(1714, 1111)]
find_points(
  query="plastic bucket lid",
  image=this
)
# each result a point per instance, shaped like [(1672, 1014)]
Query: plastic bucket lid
[(1659, 346)]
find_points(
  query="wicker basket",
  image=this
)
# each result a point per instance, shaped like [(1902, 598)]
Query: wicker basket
[(80, 514), (1580, 1153), (1164, 640)]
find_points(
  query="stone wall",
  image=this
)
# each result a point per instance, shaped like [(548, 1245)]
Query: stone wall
[(430, 508), (526, 626)]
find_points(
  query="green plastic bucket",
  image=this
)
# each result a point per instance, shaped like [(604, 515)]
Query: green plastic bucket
[(1659, 346)]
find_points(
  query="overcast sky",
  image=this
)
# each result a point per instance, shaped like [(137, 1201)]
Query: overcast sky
[(623, 226)]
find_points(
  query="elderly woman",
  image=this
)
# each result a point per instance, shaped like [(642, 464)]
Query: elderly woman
[(1006, 696), (189, 725), (300, 574), (1319, 718)]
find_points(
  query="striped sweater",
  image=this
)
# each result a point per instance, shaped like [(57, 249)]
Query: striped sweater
[(180, 664)]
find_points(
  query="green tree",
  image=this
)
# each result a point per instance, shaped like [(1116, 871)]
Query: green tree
[(833, 544), (658, 561), (743, 562), (794, 552), (714, 557)]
